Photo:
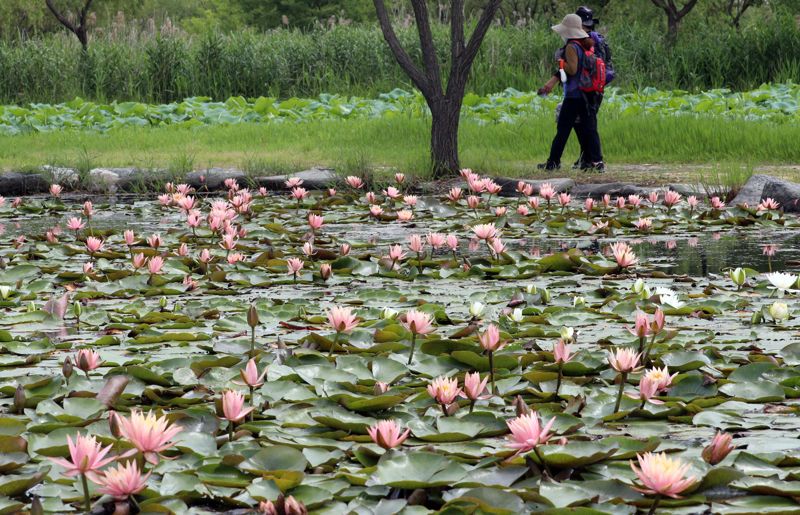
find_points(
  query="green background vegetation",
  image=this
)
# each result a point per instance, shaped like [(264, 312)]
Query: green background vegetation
[(166, 50)]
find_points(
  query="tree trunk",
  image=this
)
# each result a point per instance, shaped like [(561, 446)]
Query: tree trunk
[(444, 137), (673, 24)]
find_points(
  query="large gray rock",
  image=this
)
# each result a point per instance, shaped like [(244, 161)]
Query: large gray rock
[(313, 179), (61, 175), (752, 191), (102, 180), (615, 189), (560, 184), (15, 183), (785, 192), (687, 190), (214, 178)]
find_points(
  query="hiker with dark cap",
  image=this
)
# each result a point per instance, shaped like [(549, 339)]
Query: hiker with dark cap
[(582, 75), (601, 49)]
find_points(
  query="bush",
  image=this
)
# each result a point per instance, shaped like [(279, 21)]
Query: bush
[(164, 66)]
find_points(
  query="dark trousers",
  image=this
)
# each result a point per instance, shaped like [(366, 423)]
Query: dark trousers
[(580, 113), (587, 138)]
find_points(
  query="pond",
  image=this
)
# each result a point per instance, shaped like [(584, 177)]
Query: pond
[(171, 309)]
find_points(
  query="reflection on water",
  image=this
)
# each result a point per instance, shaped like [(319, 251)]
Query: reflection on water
[(697, 254)]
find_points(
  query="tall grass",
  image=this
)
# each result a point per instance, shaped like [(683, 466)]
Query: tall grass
[(402, 144), (161, 67)]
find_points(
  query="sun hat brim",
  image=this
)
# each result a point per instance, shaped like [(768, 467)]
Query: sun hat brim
[(569, 32)]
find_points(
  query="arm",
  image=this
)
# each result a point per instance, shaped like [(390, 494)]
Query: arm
[(548, 86), (571, 66)]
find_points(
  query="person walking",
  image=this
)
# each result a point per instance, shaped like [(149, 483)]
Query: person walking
[(579, 108)]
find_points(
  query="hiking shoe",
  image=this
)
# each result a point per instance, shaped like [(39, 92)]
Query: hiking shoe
[(581, 165), (548, 166), (598, 167)]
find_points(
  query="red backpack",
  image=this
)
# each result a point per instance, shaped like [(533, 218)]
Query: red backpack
[(592, 74)]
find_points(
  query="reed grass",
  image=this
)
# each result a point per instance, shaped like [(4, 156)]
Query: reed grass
[(354, 60)]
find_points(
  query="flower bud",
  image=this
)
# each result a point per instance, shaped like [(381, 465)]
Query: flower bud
[(36, 506), (77, 309), (66, 368), (520, 407), (779, 311), (162, 302), (578, 302), (388, 314), (545, 296), (19, 399), (639, 286), (380, 388), (531, 289), (113, 424), (31, 307), (5, 292), (719, 447), (476, 309), (738, 276), (252, 317), (567, 334)]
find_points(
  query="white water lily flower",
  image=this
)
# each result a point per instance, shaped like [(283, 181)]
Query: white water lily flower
[(567, 334), (670, 299), (662, 290), (578, 302), (5, 291), (388, 314), (476, 309), (738, 276), (516, 315), (531, 289), (781, 281)]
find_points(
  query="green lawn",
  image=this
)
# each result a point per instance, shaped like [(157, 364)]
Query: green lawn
[(402, 143)]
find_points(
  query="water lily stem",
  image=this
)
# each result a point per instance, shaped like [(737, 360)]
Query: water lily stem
[(135, 503), (491, 372), (252, 404), (641, 344), (230, 431), (335, 342), (86, 500), (655, 505), (560, 377), (252, 341), (623, 378), (541, 460), (413, 344)]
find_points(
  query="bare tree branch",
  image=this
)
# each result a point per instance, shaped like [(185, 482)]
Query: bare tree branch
[(429, 59), (479, 33), (414, 73), (80, 29)]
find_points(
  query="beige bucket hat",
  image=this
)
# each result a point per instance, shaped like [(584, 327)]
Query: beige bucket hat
[(571, 27)]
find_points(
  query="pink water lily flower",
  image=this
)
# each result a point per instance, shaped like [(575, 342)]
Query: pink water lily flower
[(662, 475), (547, 192), (233, 406), (562, 352), (454, 195), (444, 390), (490, 338), (405, 215), (87, 457), (293, 182), (315, 222), (648, 389), (671, 198), (485, 231), (387, 434), (55, 190), (75, 224), (155, 264), (661, 377), (299, 193), (149, 434), (642, 325), (94, 244), (154, 240), (87, 360), (122, 481), (294, 265), (417, 322), (139, 261), (342, 319), (250, 374), (624, 360), (623, 255), (415, 243), (354, 182), (474, 386), (527, 432), (130, 237)]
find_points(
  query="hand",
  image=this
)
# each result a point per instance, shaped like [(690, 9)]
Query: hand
[(544, 90)]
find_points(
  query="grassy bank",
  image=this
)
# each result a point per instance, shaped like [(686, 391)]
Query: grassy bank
[(355, 60), (402, 143)]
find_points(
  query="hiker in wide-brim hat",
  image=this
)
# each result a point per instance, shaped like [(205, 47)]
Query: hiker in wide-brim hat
[(577, 108), (571, 27)]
